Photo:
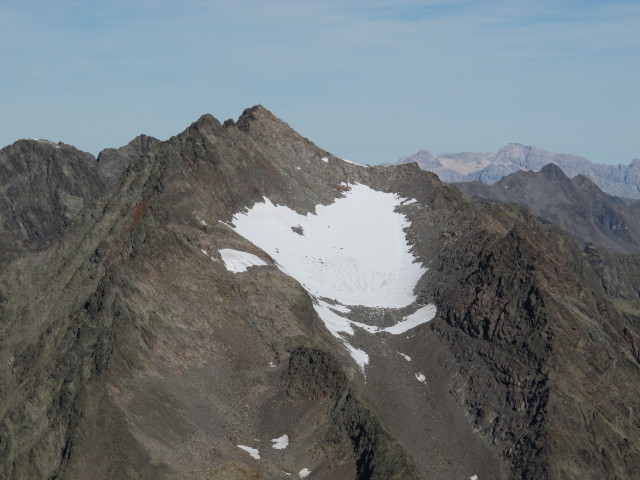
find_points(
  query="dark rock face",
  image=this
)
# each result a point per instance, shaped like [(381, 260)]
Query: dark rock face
[(113, 161), (43, 186), (128, 350), (619, 180), (576, 205)]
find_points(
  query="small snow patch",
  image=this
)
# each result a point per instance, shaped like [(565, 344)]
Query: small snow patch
[(420, 316), (237, 261), (280, 443), (406, 357), (475, 477), (48, 142), (420, 377), (409, 202), (325, 159), (251, 451), (304, 473)]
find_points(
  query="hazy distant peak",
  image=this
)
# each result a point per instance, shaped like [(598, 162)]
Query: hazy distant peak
[(620, 180)]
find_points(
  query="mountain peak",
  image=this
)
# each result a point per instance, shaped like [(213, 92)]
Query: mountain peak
[(552, 170), (257, 115), (113, 161)]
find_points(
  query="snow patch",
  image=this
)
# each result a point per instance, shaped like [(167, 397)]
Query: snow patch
[(409, 202), (251, 451), (420, 377), (325, 159), (475, 477), (304, 473), (420, 316), (237, 261), (406, 357), (280, 443)]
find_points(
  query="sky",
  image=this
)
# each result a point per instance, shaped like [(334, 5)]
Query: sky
[(369, 81)]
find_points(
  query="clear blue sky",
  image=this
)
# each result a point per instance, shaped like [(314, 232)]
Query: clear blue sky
[(367, 80)]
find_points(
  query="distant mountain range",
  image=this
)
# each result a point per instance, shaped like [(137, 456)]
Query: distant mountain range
[(620, 180), (576, 205)]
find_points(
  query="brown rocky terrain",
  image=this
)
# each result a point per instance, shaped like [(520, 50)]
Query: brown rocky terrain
[(128, 349)]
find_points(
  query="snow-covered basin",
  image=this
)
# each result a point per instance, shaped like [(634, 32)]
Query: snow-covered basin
[(353, 251)]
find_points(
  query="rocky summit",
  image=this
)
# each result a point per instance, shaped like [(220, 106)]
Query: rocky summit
[(238, 303)]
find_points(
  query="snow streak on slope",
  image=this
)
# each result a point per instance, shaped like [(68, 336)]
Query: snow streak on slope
[(353, 251), (420, 316), (236, 261)]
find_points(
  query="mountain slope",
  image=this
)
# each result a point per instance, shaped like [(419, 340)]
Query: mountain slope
[(619, 180), (136, 346), (577, 205)]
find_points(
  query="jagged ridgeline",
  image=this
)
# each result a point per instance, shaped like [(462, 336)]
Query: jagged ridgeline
[(238, 303)]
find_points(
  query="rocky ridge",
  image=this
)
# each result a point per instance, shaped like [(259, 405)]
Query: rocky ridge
[(113, 161)]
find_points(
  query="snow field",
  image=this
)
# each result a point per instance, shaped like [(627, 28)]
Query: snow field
[(353, 251)]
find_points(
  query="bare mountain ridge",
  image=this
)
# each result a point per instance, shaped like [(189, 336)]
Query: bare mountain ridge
[(619, 180), (44, 185), (130, 348)]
